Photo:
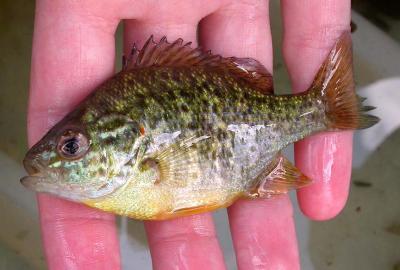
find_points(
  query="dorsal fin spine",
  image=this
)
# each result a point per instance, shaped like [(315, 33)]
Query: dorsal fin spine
[(151, 53), (179, 54)]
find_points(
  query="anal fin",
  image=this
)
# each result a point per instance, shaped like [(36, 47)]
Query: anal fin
[(279, 177)]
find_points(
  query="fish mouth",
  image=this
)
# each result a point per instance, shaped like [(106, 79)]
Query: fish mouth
[(35, 177), (43, 181), (32, 181), (39, 183), (43, 184), (32, 165)]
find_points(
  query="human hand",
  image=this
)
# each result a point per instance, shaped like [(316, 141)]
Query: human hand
[(73, 52)]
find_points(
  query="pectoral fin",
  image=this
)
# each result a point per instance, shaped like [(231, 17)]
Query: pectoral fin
[(278, 178), (177, 164)]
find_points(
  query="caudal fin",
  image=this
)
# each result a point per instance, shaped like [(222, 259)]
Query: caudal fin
[(334, 82)]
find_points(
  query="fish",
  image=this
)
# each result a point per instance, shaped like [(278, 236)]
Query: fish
[(180, 131)]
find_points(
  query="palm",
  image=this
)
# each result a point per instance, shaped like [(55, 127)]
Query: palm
[(73, 52)]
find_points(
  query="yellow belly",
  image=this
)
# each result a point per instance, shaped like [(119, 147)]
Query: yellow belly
[(162, 203)]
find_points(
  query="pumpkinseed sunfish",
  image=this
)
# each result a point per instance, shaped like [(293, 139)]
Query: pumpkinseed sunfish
[(181, 131)]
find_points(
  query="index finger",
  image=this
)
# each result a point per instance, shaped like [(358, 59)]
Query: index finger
[(72, 53), (311, 28)]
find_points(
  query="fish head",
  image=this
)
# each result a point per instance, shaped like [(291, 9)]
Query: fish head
[(83, 158)]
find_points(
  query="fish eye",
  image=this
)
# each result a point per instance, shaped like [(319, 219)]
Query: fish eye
[(72, 144)]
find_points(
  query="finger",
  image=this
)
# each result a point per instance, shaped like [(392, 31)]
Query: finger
[(264, 234), (189, 242), (311, 28), (263, 231), (164, 19), (71, 55), (77, 237), (185, 243)]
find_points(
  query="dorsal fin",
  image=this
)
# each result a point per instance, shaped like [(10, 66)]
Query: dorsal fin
[(180, 54)]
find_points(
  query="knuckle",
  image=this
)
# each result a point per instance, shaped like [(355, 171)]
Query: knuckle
[(319, 37), (182, 236), (252, 9)]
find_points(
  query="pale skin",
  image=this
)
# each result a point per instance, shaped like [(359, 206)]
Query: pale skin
[(74, 51)]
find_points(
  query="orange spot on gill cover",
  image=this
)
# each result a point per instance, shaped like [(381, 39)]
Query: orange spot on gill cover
[(142, 130)]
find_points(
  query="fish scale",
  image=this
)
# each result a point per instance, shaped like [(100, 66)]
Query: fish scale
[(229, 100)]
